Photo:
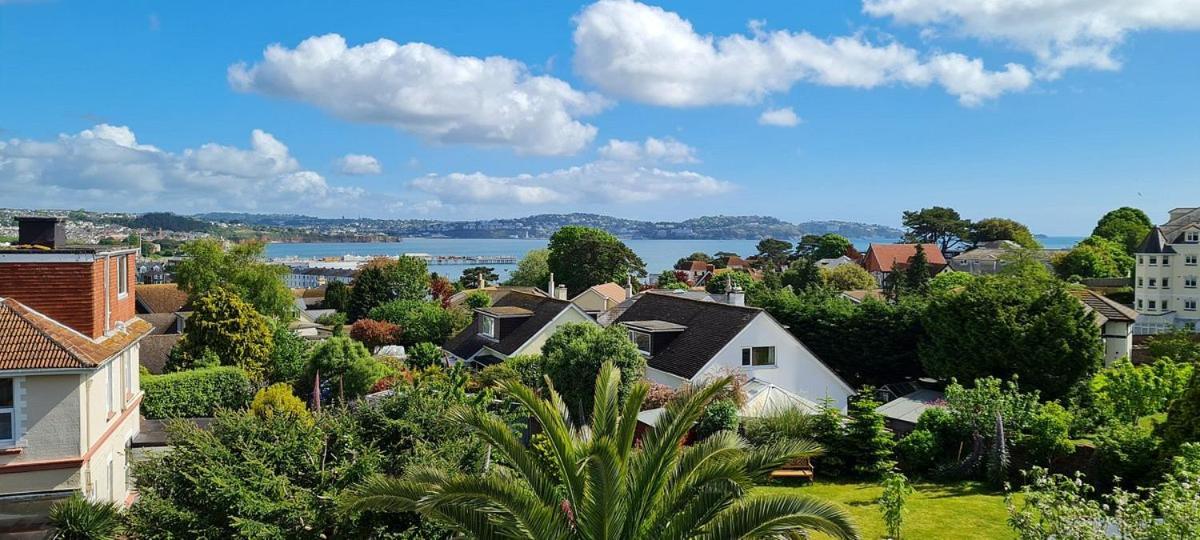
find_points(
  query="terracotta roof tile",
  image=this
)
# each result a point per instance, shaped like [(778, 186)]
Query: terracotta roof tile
[(30, 340), (882, 257), (161, 298), (611, 290)]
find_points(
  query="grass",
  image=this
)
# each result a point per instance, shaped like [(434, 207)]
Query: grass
[(934, 511)]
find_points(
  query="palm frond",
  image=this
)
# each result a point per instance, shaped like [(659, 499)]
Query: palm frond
[(762, 460), (779, 516), (496, 432)]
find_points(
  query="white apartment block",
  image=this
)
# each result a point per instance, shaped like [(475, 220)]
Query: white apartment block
[(1168, 269)]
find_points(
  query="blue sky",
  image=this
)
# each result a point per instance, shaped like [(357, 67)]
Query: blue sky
[(1037, 112)]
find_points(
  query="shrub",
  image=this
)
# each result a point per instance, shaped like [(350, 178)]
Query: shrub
[(573, 356), (424, 355), (278, 400), (526, 368), (868, 443), (347, 369), (286, 363), (785, 425), (829, 430), (720, 415), (1125, 392), (658, 396), (420, 321), (896, 490), (918, 452), (228, 326), (77, 518), (478, 300), (195, 393), (374, 334), (1128, 452)]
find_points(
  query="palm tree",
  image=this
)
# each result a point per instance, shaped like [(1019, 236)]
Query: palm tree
[(593, 482)]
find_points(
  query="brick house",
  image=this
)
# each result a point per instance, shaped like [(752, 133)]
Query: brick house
[(69, 391)]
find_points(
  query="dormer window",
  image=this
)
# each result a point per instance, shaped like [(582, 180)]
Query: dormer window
[(487, 326), (1192, 236), (641, 339), (652, 336), (758, 356)]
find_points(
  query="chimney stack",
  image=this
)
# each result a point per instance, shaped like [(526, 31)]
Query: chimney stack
[(44, 231), (736, 296), (550, 288), (561, 292)]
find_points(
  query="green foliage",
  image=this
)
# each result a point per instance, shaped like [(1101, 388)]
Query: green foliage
[(849, 277), (719, 284), (1125, 392), (573, 355), (1126, 226), (288, 355), (825, 246), (695, 256), (670, 279), (336, 320), (424, 355), (581, 257), (383, 280), (420, 321), (896, 490), (470, 276), (596, 483), (195, 393), (337, 296), (1054, 506), (868, 445), (1129, 452), (1183, 417), (252, 476), (948, 282), (77, 518), (720, 415), (915, 277), (533, 270), (774, 251), (918, 451), (207, 265), (789, 424), (478, 300), (230, 328), (1008, 326), (525, 369), (1180, 345), (869, 343), (936, 225), (1095, 257), (278, 400), (993, 229), (347, 369), (801, 275), (829, 430)]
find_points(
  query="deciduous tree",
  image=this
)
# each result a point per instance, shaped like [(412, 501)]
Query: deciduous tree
[(573, 355), (1126, 226), (382, 280), (581, 257), (847, 277), (207, 265), (937, 225), (993, 229), (533, 270), (1095, 257)]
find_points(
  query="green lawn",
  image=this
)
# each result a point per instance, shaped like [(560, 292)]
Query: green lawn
[(935, 511)]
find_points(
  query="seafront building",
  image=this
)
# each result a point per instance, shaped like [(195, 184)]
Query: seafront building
[(1165, 287)]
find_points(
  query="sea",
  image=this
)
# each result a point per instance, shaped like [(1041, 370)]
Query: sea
[(659, 255)]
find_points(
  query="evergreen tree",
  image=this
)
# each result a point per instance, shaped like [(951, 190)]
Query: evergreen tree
[(868, 443), (915, 279)]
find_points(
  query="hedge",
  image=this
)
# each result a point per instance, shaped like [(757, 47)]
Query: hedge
[(196, 392)]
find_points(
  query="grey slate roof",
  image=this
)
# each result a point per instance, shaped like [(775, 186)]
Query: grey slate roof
[(908, 408), (710, 326), (1155, 242), (1104, 308), (543, 309)]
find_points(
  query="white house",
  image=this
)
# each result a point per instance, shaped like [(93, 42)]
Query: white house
[(1115, 321), (518, 323), (1165, 292), (690, 341)]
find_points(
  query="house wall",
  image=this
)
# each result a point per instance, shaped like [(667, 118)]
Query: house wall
[(49, 418), (109, 431), (70, 288), (669, 380), (591, 300), (1118, 341), (796, 369), (534, 346), (1176, 271)]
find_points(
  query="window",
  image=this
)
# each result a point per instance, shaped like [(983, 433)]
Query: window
[(1153, 283), (127, 363), (1139, 304), (111, 479), (1193, 236), (1189, 260), (1153, 305), (1140, 283), (122, 275), (108, 388), (1189, 305), (1166, 283), (1165, 305), (1166, 260), (8, 415), (1189, 282), (758, 356), (641, 339), (487, 326), (1141, 259), (1153, 261)]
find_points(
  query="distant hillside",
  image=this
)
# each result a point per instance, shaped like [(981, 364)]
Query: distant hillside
[(167, 222)]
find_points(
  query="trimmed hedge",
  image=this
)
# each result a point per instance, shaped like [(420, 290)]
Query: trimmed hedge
[(196, 392)]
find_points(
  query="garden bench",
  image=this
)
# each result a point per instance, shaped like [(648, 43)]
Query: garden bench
[(798, 468)]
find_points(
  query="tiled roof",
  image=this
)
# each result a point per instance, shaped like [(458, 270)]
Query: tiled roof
[(1105, 308), (496, 293), (858, 296), (693, 266), (30, 340), (542, 310), (710, 326), (882, 257), (160, 298), (610, 290), (1155, 242), (163, 323), (154, 351)]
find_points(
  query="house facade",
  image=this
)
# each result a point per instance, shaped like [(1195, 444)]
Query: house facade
[(517, 324), (600, 298), (69, 352), (1115, 321), (1165, 289), (881, 260), (691, 341), (315, 277)]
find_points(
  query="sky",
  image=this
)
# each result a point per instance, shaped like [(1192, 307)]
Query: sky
[(1050, 112)]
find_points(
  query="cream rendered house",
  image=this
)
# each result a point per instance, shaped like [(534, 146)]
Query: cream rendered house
[(516, 324)]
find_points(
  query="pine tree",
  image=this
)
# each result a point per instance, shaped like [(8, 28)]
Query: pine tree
[(868, 442), (916, 274)]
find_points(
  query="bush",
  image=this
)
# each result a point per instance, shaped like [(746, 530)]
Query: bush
[(918, 452), (573, 356), (720, 415), (278, 400), (478, 300), (347, 369), (868, 443), (424, 355), (77, 518), (786, 425), (286, 363), (658, 396), (420, 321), (374, 334), (525, 368), (195, 393), (1125, 392), (1128, 452)]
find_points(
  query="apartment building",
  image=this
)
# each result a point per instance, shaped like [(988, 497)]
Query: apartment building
[(1165, 287)]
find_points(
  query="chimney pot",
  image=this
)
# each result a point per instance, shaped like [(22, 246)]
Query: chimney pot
[(45, 231)]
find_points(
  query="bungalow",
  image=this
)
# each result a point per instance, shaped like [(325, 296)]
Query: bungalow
[(689, 341), (518, 323), (883, 259)]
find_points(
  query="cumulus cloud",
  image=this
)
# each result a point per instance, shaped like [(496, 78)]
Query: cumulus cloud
[(784, 117), (427, 91), (107, 164), (651, 55), (1062, 34), (359, 164), (606, 181), (652, 150)]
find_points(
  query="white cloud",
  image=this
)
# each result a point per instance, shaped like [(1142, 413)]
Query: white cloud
[(651, 150), (107, 165), (784, 117), (359, 164), (654, 56), (1062, 34), (427, 91), (598, 182)]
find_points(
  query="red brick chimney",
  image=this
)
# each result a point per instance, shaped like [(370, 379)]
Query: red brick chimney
[(88, 288)]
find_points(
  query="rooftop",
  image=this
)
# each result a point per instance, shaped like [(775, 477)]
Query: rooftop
[(655, 326), (31, 340)]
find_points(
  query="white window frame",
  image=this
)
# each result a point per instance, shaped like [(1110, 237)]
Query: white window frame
[(1153, 305), (1141, 282), (1189, 305), (748, 356), (1153, 261), (11, 411), (1189, 282), (1166, 260), (487, 326), (634, 335), (1153, 283), (122, 276), (1139, 303), (1189, 260), (1166, 283), (1165, 306), (108, 388), (127, 365), (1193, 236)]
